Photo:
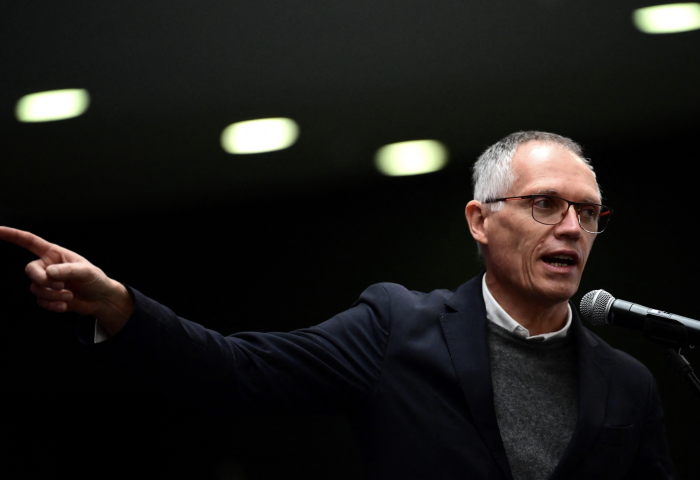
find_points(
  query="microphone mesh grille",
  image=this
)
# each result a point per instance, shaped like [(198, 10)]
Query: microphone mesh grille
[(594, 306), (586, 306)]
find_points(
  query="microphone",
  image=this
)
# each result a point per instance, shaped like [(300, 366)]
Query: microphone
[(600, 308)]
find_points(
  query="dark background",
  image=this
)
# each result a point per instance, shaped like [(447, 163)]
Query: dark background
[(140, 186)]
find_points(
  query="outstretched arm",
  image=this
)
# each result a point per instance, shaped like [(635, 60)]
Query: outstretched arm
[(330, 368), (63, 281)]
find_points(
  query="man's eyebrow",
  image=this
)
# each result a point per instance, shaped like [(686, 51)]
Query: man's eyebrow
[(555, 192)]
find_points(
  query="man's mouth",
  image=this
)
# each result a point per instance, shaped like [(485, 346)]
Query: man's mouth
[(560, 260)]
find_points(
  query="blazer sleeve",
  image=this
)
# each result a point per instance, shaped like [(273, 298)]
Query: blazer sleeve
[(652, 460), (329, 368)]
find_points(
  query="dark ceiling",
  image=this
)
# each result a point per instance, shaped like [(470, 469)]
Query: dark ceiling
[(166, 77)]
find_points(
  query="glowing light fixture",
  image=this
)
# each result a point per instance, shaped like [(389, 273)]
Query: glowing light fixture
[(411, 158), (256, 136), (53, 105), (675, 17)]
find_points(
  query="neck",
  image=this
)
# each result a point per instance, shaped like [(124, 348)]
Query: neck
[(535, 315)]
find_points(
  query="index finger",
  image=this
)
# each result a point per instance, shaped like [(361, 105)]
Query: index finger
[(37, 245)]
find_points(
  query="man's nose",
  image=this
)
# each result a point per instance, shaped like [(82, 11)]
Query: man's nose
[(569, 225)]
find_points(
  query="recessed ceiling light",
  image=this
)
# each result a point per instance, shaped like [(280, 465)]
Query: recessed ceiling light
[(256, 136), (53, 105), (411, 158), (675, 17)]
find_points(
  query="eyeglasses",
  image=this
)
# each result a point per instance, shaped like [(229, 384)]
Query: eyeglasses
[(551, 210)]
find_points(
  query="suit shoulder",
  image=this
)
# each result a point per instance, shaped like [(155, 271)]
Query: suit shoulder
[(402, 294), (408, 306)]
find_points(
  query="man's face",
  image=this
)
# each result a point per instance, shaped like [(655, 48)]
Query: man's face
[(520, 251)]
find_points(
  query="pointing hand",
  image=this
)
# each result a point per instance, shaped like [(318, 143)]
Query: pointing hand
[(64, 281)]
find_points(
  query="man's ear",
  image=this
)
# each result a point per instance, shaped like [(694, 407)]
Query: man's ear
[(476, 218)]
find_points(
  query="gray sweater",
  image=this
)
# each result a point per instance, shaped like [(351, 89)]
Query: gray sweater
[(535, 391)]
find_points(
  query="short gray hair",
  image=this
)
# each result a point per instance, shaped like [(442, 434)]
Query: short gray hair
[(493, 171)]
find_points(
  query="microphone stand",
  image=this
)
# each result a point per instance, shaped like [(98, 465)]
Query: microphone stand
[(671, 335), (679, 363)]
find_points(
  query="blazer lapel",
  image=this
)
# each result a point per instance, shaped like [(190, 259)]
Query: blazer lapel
[(465, 333), (593, 385)]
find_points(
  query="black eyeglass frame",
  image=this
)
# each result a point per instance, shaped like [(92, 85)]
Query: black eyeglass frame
[(577, 205)]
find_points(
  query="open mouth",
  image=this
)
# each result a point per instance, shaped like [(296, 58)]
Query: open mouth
[(560, 260)]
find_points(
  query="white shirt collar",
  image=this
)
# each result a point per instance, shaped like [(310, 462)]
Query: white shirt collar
[(496, 314)]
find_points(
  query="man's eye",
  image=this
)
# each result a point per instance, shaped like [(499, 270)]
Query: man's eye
[(543, 203), (589, 211)]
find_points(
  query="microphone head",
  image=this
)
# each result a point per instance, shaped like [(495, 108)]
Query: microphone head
[(595, 305)]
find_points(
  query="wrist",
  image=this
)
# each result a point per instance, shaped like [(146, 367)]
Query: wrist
[(116, 308)]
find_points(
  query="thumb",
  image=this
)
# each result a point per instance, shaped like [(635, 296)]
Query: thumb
[(69, 271)]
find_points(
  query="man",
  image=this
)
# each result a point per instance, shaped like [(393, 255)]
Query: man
[(497, 379)]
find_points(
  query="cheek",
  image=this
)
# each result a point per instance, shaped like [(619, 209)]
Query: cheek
[(520, 244), (516, 243), (587, 250), (530, 244), (526, 245)]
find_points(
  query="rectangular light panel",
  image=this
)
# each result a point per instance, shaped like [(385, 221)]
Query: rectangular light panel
[(671, 18), (52, 105), (411, 158), (257, 136)]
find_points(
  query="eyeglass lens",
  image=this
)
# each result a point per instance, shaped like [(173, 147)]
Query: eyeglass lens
[(550, 211)]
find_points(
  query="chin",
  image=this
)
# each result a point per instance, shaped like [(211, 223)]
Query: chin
[(561, 293)]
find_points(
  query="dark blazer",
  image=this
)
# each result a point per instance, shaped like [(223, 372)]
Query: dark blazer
[(412, 372)]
